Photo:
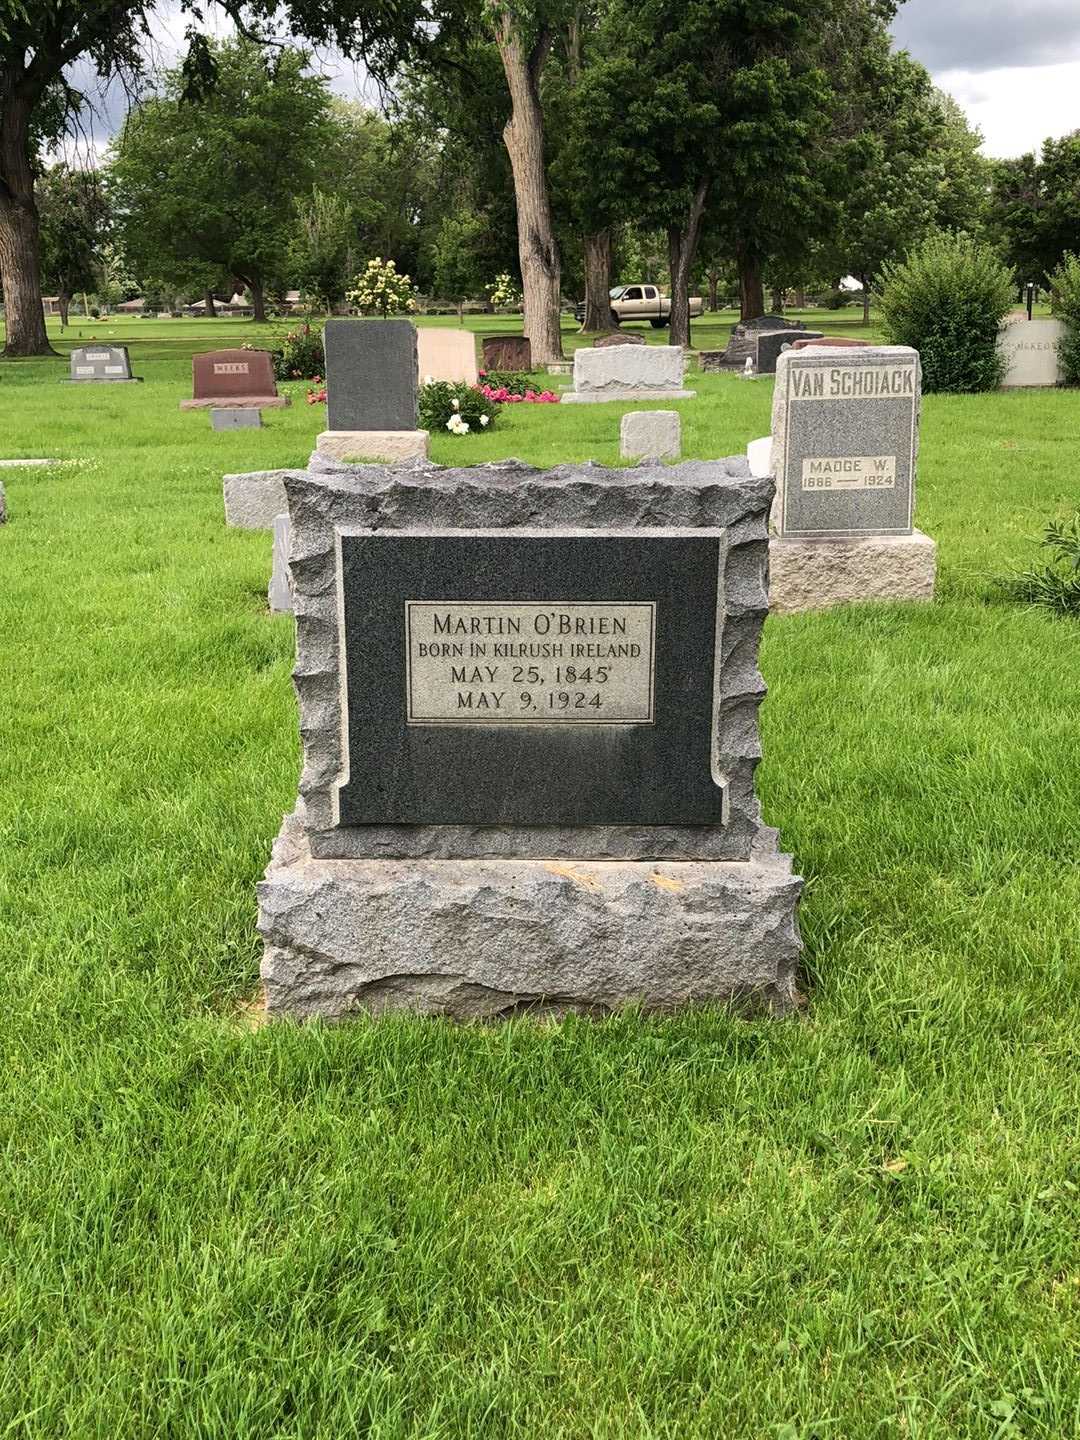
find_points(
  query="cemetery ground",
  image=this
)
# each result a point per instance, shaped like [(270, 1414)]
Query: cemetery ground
[(861, 1223)]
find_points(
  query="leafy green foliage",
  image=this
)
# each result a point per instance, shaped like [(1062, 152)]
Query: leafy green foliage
[(445, 406), (321, 250), (947, 299), (1035, 207), (1065, 289), (300, 356), (1055, 584), (514, 381), (380, 289), (74, 225)]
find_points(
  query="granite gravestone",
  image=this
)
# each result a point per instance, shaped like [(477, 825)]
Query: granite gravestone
[(650, 435), (628, 372), (1032, 352), (101, 364), (240, 419), (618, 337), (507, 352), (444, 354), (371, 391), (528, 705), (844, 446), (279, 594), (233, 379)]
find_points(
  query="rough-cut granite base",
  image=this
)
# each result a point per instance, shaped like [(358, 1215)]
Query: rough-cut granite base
[(817, 574), (386, 446), (624, 395), (485, 939), (650, 435)]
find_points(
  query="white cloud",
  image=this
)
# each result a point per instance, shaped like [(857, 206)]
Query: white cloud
[(1019, 107)]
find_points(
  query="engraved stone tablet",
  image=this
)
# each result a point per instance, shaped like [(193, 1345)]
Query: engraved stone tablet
[(529, 664), (225, 374), (845, 440), (371, 374), (530, 678), (100, 362), (1031, 349)]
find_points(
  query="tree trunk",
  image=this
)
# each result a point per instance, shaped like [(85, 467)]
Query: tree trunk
[(211, 308), (20, 233), (682, 247), (64, 302), (751, 288), (597, 248), (523, 136), (461, 312), (777, 301), (258, 303), (714, 290), (865, 299)]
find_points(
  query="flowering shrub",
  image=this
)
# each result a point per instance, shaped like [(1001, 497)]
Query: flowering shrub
[(457, 407), (516, 381), (316, 394), (503, 396), (300, 357), (380, 290), (504, 292)]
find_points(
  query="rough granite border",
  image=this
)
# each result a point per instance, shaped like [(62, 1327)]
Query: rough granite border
[(509, 495)]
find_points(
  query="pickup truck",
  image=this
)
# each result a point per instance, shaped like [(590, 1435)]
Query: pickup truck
[(643, 302)]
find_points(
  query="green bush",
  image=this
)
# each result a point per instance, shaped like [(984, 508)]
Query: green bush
[(301, 356), (445, 405), (1065, 289), (947, 299), (514, 381), (1054, 585)]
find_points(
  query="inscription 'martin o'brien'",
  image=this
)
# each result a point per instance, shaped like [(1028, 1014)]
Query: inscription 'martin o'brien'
[(529, 663)]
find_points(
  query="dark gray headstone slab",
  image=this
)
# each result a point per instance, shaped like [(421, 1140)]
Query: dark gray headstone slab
[(101, 363), (235, 419), (845, 436), (371, 374), (530, 680), (772, 343)]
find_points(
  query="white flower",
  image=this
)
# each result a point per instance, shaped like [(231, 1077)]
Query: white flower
[(484, 419), (429, 379), (453, 422), (456, 404)]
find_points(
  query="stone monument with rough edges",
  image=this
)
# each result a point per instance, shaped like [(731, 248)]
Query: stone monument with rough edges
[(529, 713), (845, 443), (628, 372), (371, 385)]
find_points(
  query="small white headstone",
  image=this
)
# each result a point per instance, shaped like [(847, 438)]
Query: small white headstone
[(759, 454), (650, 435), (1031, 349), (279, 596)]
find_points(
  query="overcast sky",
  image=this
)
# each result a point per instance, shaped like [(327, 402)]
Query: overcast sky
[(1014, 65)]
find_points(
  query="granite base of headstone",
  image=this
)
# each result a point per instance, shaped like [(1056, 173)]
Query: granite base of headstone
[(235, 419), (253, 500), (507, 352), (371, 391), (560, 367), (528, 706), (1031, 350), (844, 450), (627, 373), (650, 435), (102, 365), (279, 594)]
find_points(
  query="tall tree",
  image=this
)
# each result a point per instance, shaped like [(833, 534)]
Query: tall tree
[(74, 227), (1034, 209), (213, 180)]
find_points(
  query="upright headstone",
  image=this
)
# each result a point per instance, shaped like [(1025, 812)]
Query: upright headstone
[(650, 435), (1032, 352), (445, 354), (529, 745), (101, 364), (628, 372), (371, 391), (618, 337), (845, 438), (760, 341), (234, 379), (507, 352), (279, 595)]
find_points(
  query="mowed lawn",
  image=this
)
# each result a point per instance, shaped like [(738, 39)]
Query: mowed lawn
[(860, 1223)]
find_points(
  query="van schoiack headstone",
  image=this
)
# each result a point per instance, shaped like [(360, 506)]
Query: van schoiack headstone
[(103, 364), (528, 704), (845, 438)]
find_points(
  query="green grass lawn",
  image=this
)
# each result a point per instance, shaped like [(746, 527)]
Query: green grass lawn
[(862, 1223)]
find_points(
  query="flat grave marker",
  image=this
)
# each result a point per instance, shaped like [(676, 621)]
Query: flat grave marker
[(101, 364)]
